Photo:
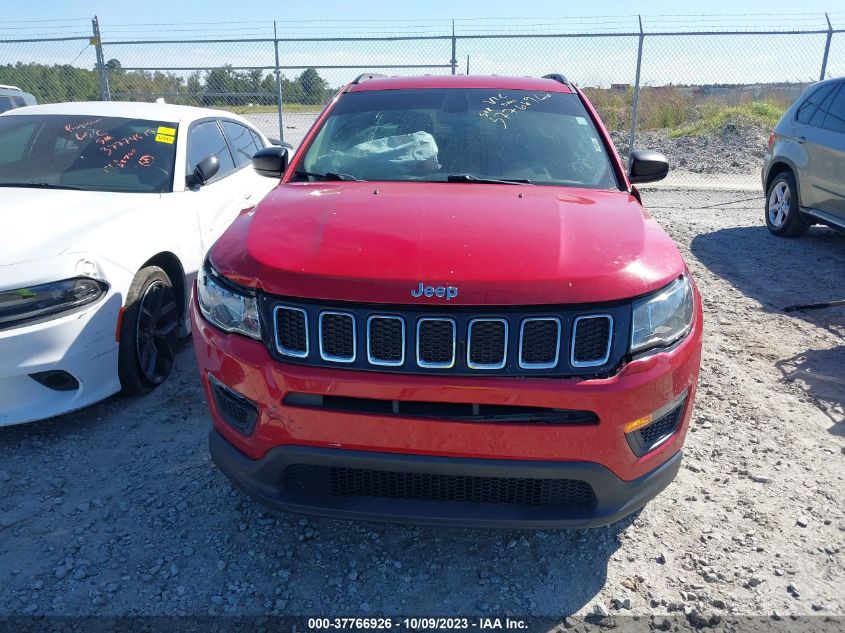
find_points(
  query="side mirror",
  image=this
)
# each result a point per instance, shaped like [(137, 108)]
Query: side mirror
[(270, 161), (646, 166), (204, 171)]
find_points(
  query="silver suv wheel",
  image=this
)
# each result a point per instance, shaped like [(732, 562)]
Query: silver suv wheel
[(779, 204)]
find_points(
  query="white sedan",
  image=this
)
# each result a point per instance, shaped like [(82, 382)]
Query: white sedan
[(106, 212)]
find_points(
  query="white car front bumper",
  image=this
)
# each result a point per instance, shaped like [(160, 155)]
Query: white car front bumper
[(81, 343)]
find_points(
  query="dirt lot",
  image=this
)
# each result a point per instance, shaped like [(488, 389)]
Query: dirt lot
[(117, 509)]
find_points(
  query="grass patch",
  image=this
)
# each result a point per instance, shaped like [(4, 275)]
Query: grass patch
[(712, 117), (680, 111)]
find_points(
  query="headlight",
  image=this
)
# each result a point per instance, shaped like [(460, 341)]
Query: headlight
[(662, 319), (23, 305), (224, 305)]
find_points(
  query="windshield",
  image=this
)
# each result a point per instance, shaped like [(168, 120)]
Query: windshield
[(459, 135), (87, 152)]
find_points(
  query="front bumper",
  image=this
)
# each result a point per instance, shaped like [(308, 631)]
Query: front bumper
[(614, 497), (280, 434), (81, 343)]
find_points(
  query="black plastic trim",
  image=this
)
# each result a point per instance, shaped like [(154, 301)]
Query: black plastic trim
[(221, 393), (615, 497), (447, 411)]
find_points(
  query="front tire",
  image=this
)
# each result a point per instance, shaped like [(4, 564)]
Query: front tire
[(149, 332), (783, 217)]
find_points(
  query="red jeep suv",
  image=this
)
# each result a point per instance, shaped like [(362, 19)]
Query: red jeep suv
[(453, 309)]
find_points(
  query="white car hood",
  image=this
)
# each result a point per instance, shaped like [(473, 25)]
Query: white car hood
[(40, 223)]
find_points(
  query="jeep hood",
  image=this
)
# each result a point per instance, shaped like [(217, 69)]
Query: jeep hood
[(498, 244)]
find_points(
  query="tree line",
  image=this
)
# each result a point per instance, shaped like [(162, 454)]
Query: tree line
[(217, 87)]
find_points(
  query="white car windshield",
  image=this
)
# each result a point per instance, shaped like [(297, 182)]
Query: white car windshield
[(87, 152), (460, 135)]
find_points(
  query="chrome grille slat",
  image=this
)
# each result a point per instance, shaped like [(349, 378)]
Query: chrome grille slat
[(427, 329), (485, 347), (591, 348), (288, 321), (337, 333), (538, 322), (381, 346)]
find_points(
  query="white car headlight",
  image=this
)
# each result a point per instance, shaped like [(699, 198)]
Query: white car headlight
[(227, 306), (36, 303), (660, 320)]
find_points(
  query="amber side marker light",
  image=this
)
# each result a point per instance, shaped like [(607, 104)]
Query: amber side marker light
[(638, 423)]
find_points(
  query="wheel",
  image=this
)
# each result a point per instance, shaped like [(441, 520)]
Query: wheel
[(782, 214), (149, 332)]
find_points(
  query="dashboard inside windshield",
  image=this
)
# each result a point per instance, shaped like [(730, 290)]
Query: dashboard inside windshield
[(461, 135)]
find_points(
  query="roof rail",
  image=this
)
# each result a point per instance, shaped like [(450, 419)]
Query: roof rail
[(366, 76), (561, 79)]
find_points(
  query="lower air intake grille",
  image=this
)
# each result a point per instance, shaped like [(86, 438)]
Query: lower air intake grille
[(353, 482), (591, 340)]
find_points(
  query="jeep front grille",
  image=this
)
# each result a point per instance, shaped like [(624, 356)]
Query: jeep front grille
[(484, 340)]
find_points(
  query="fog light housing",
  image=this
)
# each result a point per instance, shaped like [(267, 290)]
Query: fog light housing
[(650, 431), (235, 408), (57, 380)]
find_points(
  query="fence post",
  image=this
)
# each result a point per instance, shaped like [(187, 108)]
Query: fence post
[(278, 83), (826, 47), (454, 61), (636, 91), (102, 69)]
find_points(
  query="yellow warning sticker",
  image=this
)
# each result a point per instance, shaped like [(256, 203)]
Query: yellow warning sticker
[(169, 131), (165, 138)]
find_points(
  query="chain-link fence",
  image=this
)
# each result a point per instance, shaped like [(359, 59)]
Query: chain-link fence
[(705, 90)]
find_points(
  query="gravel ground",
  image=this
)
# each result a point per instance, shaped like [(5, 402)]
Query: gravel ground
[(732, 151), (117, 509)]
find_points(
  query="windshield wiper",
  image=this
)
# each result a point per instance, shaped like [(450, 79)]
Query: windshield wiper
[(485, 181), (329, 175), (39, 185)]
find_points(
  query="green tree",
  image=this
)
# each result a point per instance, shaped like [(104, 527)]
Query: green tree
[(313, 86)]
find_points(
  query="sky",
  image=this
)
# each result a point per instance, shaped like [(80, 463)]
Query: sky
[(594, 61), (149, 11)]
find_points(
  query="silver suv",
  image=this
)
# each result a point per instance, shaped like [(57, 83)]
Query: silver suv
[(12, 97), (804, 166)]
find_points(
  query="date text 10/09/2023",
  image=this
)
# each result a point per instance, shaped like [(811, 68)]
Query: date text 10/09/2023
[(416, 624)]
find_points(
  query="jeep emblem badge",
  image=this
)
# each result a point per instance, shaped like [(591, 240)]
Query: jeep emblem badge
[(450, 292)]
